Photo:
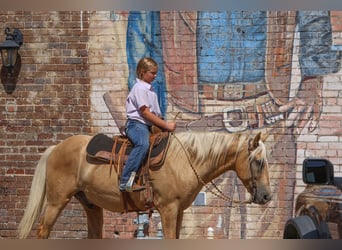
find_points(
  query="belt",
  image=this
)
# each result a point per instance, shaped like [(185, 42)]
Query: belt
[(231, 91), (241, 115)]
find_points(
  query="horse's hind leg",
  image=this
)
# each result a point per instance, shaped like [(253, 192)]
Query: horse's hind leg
[(49, 218), (57, 196), (94, 217), (95, 222)]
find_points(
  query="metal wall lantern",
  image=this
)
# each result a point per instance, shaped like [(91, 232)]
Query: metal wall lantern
[(11, 59), (10, 47)]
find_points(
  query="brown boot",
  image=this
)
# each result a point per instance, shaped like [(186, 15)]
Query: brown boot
[(135, 188)]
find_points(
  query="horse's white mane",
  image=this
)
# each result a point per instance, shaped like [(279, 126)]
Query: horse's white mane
[(210, 145)]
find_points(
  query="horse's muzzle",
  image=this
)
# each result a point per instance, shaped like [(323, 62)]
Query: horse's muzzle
[(262, 199), (261, 195)]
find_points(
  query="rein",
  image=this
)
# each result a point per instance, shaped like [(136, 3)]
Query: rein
[(219, 193)]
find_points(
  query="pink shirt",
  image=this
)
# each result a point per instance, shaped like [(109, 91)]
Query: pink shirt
[(141, 95)]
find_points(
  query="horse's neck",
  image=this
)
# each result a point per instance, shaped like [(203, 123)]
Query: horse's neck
[(214, 170), (213, 154)]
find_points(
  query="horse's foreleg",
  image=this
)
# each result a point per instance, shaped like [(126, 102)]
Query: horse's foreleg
[(179, 223), (169, 218)]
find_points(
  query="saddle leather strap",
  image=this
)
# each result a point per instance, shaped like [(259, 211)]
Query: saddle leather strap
[(127, 200), (124, 199), (117, 168), (112, 157), (145, 175), (121, 155)]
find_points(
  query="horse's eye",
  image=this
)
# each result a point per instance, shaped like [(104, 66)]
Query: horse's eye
[(259, 163)]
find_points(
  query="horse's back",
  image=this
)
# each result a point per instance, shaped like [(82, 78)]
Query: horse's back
[(76, 139)]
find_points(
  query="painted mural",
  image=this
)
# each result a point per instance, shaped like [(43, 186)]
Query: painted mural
[(238, 71)]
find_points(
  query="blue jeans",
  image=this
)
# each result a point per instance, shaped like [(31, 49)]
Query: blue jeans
[(139, 134)]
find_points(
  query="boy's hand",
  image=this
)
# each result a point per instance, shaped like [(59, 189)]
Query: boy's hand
[(170, 126)]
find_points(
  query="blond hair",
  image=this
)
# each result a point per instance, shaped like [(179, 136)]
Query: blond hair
[(145, 64)]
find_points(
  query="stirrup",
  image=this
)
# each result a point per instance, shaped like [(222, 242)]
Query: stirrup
[(135, 188), (131, 186)]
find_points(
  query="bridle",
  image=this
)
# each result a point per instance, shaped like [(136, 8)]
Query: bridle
[(219, 192), (254, 185)]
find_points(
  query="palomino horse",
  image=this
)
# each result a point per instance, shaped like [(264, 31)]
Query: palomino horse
[(193, 159)]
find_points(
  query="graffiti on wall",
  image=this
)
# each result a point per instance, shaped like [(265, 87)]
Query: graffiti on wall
[(240, 71)]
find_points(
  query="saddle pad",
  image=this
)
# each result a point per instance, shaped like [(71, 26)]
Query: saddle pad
[(99, 142), (101, 146)]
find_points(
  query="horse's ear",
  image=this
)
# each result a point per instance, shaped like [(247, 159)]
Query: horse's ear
[(264, 136), (255, 142)]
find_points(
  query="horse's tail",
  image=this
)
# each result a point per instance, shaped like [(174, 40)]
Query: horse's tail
[(37, 197)]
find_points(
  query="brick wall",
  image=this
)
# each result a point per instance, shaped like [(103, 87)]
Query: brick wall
[(70, 60), (50, 102)]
